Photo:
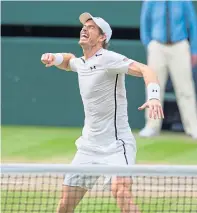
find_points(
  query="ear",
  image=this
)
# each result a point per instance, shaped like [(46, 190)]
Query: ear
[(103, 37)]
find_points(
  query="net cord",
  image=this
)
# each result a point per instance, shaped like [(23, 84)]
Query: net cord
[(134, 170)]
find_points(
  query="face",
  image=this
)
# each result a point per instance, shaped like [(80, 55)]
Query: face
[(90, 35)]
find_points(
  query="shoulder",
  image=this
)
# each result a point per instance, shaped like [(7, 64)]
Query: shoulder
[(75, 63), (112, 54), (110, 57), (77, 59)]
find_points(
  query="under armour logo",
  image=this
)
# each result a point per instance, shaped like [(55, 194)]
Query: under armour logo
[(94, 67), (154, 90), (98, 55)]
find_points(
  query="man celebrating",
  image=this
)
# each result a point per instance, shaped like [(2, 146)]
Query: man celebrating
[(106, 136)]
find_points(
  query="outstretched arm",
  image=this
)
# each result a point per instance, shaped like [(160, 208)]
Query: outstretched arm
[(119, 64), (153, 88), (141, 70), (60, 60)]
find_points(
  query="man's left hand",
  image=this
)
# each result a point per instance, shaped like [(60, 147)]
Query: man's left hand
[(155, 108)]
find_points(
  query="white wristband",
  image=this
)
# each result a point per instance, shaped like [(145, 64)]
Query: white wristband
[(153, 91), (58, 59)]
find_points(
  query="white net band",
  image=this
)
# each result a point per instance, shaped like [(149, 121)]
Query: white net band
[(134, 170)]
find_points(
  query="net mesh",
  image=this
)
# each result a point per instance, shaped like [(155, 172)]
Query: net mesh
[(41, 193)]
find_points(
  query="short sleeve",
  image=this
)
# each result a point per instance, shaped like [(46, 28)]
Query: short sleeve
[(73, 64), (117, 63)]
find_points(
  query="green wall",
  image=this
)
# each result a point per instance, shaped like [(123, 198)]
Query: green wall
[(117, 13), (35, 95)]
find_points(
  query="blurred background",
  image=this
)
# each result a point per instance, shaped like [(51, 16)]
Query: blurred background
[(42, 112)]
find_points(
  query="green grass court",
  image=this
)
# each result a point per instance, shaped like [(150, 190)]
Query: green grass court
[(50, 144), (56, 145)]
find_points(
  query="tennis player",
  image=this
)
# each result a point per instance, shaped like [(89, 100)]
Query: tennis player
[(106, 137)]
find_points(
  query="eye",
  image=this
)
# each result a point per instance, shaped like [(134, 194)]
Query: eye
[(91, 27)]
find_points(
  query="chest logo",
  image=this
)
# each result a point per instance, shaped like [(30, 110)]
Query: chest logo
[(93, 68)]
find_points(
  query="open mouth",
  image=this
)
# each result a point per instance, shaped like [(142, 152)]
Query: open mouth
[(83, 35)]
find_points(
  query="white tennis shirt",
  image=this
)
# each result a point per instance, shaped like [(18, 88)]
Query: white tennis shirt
[(102, 88)]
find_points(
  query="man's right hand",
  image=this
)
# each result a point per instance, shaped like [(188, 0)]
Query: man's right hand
[(48, 59)]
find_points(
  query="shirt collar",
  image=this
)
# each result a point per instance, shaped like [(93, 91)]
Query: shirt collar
[(96, 54)]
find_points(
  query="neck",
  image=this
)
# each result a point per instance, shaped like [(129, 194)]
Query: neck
[(90, 51)]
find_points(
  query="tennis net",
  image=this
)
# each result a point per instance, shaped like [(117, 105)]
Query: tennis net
[(155, 188)]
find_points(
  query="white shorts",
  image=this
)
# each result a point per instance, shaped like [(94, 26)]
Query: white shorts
[(124, 156)]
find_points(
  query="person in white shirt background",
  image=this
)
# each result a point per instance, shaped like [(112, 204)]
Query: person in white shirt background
[(106, 137)]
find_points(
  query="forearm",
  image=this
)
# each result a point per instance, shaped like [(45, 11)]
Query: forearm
[(150, 79), (149, 75), (65, 58), (141, 70)]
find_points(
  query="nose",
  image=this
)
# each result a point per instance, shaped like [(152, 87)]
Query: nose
[(84, 28)]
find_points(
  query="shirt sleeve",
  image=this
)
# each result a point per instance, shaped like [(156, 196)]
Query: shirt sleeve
[(117, 63), (73, 64), (192, 25), (145, 23)]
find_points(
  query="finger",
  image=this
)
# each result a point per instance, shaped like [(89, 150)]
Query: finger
[(158, 114), (43, 59), (161, 111), (143, 106), (46, 57), (48, 65), (155, 111), (151, 111), (50, 58)]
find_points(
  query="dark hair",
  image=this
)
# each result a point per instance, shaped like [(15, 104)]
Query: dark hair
[(104, 44)]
